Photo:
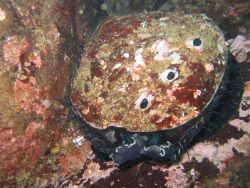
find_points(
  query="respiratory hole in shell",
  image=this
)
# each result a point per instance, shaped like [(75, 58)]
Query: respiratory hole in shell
[(171, 75), (197, 42), (144, 103)]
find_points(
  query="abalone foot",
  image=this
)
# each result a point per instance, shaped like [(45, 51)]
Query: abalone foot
[(125, 147)]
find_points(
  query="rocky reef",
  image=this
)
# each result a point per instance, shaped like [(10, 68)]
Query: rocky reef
[(41, 44)]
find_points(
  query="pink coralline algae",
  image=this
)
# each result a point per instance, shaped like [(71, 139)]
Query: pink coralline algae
[(240, 47), (13, 48), (34, 70)]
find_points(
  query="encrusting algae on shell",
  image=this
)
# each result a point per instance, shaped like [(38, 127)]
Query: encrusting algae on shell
[(149, 72)]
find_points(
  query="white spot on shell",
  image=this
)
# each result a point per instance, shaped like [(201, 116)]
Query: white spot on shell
[(126, 55), (144, 24), (138, 65), (131, 42), (144, 36), (136, 77), (203, 26), (78, 140), (164, 19), (161, 49), (99, 100), (153, 112), (102, 62), (197, 93), (209, 67), (164, 23), (139, 61), (220, 48), (117, 66), (161, 119), (220, 62), (123, 88), (175, 58)]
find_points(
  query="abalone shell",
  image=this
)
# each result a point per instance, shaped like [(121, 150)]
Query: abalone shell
[(149, 72)]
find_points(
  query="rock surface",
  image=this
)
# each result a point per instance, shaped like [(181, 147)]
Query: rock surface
[(40, 146)]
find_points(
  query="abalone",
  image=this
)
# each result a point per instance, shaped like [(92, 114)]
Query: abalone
[(150, 73), (148, 84)]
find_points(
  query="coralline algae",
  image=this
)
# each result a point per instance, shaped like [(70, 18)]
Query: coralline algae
[(149, 72)]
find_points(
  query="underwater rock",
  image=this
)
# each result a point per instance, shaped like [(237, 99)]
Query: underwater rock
[(37, 48), (125, 7), (240, 48)]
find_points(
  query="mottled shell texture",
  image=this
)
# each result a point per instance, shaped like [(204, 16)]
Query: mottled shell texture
[(149, 73)]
